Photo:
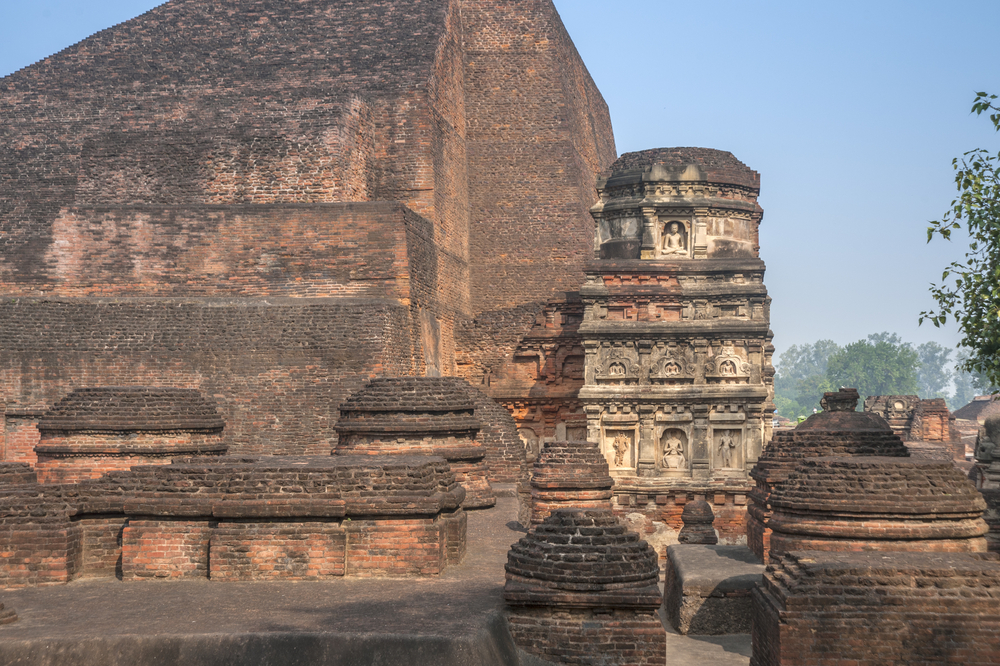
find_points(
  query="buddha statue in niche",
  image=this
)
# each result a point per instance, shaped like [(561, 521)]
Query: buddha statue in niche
[(673, 451), (674, 242)]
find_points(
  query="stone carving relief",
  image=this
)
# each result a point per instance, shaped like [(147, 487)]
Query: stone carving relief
[(726, 367), (618, 447), (617, 366), (673, 443), (672, 368), (728, 447), (674, 239)]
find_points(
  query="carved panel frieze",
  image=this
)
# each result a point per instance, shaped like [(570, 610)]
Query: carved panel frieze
[(617, 365), (673, 366), (727, 367)]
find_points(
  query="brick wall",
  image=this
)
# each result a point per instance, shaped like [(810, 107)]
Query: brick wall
[(538, 132), (277, 369), (586, 637), (165, 549), (277, 551), (864, 609)]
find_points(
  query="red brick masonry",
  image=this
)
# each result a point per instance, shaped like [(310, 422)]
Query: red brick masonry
[(868, 609), (293, 518)]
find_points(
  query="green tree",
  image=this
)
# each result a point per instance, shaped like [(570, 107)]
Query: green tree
[(880, 365), (973, 300), (934, 374), (969, 384), (800, 378)]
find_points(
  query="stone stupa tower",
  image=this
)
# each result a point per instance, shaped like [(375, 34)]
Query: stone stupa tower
[(678, 381)]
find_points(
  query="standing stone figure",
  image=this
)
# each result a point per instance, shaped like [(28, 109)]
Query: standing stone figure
[(673, 242), (673, 453), (620, 446), (727, 450)]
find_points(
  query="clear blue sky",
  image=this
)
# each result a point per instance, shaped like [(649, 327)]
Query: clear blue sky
[(850, 111)]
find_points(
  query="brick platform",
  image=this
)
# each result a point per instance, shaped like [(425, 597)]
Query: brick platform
[(867, 609), (419, 416), (580, 580), (267, 518), (93, 431)]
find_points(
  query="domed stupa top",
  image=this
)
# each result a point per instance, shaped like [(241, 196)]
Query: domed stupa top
[(680, 164)]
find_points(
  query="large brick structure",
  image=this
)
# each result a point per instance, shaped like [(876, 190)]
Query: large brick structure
[(927, 422), (432, 416), (273, 202), (876, 503)]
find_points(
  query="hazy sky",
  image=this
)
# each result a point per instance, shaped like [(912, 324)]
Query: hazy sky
[(850, 111)]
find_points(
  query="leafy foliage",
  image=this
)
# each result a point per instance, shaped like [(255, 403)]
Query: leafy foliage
[(933, 375), (800, 378), (881, 365), (969, 384), (973, 300)]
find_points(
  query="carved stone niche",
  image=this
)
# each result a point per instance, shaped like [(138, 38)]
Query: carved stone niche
[(728, 438), (672, 368), (617, 366), (728, 449), (726, 367), (673, 239), (619, 440), (674, 451)]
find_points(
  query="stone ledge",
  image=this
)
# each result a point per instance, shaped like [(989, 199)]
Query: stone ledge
[(708, 588)]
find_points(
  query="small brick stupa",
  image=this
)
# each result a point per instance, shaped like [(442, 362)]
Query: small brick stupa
[(836, 431), (419, 415), (583, 590), (96, 430), (871, 609), (569, 475), (876, 503), (698, 518)]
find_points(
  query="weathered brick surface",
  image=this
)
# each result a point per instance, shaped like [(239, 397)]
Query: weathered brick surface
[(92, 431), (39, 545), (276, 368), (20, 436), (301, 518), (101, 539), (657, 513), (876, 503), (834, 432), (578, 580), (17, 473), (915, 420), (820, 608), (538, 131), (277, 551), (698, 517), (165, 549), (419, 415), (569, 475)]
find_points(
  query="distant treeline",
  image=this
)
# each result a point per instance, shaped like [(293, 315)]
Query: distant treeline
[(881, 364)]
